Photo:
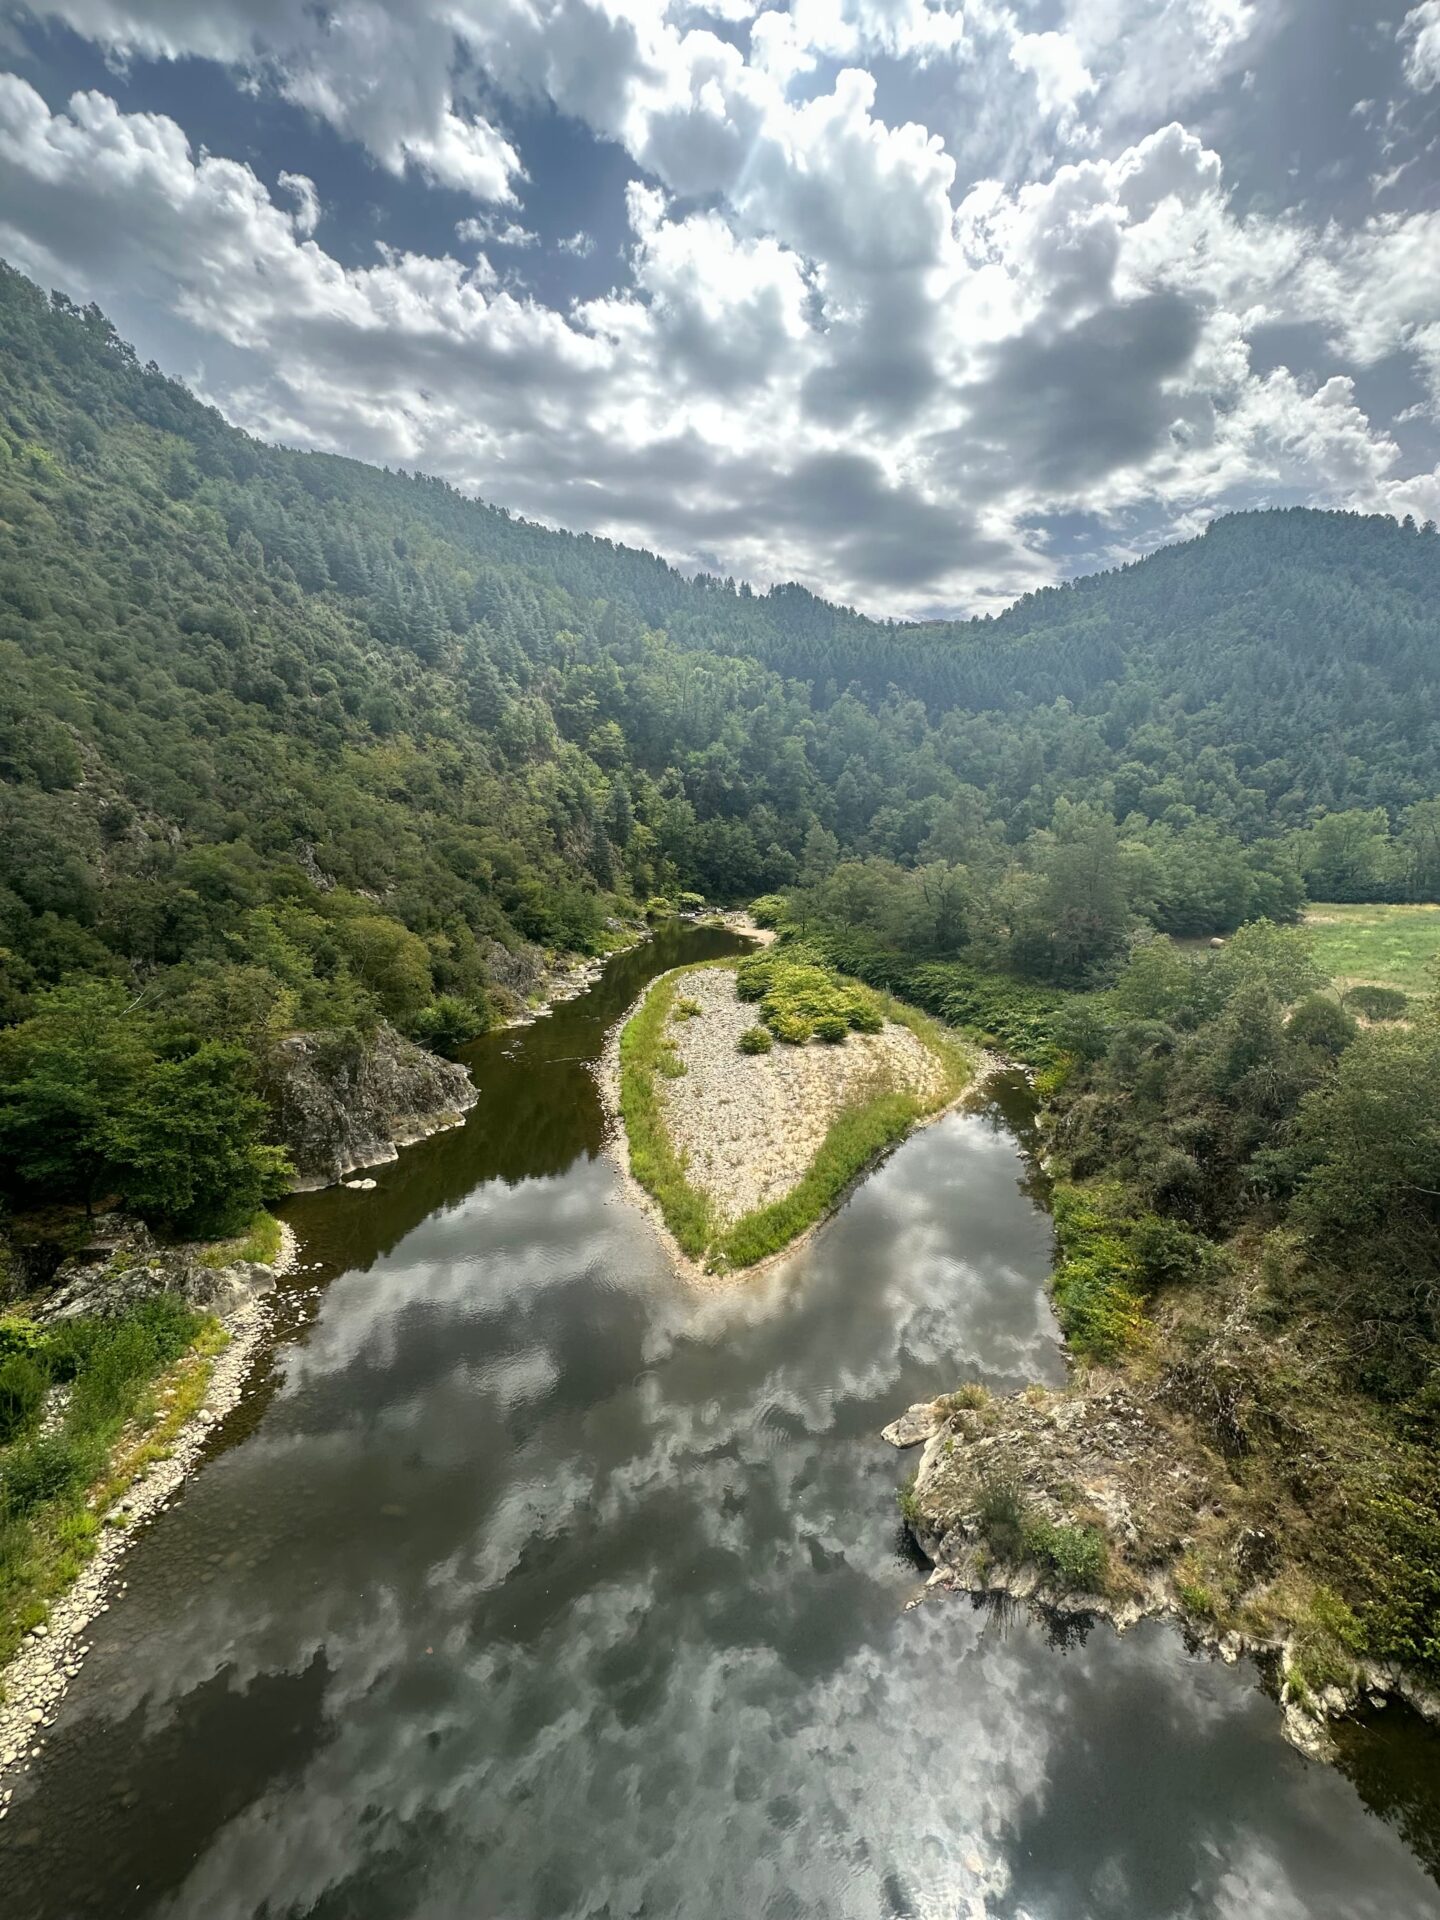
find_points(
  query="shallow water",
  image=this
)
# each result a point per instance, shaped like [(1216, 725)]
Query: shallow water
[(531, 1583)]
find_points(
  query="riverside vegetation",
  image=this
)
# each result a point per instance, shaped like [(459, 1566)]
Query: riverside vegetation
[(1247, 1273), (297, 753)]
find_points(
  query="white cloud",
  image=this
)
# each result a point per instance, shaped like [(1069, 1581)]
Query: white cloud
[(833, 361), (489, 231), (377, 71), (1420, 36), (307, 216), (1062, 79)]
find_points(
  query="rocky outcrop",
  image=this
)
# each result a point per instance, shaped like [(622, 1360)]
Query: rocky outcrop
[(123, 1264), (1007, 1490), (342, 1100)]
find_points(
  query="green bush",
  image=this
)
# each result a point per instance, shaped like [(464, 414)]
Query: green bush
[(798, 998), (756, 1040), (1073, 1557), (793, 1028), (24, 1382), (1020, 1018), (1377, 1003), (19, 1335), (1165, 1252), (1076, 1558), (687, 1010), (448, 1024), (1096, 1280), (769, 910), (36, 1471)]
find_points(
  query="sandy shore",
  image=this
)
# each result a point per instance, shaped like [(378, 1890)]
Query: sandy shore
[(50, 1656)]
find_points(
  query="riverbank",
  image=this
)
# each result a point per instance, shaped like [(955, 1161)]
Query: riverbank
[(1152, 1489), (737, 1148), (160, 1445)]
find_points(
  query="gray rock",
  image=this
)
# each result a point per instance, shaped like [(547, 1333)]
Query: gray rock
[(916, 1424), (342, 1101)]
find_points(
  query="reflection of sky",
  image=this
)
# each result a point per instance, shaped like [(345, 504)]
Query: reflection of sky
[(548, 1587)]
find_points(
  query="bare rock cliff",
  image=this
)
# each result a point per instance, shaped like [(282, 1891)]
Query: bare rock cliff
[(343, 1101)]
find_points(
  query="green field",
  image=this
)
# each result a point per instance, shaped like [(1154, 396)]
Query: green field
[(1391, 946)]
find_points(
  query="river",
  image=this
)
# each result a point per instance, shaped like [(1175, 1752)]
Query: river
[(528, 1582)]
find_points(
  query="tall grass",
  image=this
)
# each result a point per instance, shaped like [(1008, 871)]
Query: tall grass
[(109, 1367), (644, 1046)]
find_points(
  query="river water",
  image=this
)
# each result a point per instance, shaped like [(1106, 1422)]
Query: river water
[(530, 1583)]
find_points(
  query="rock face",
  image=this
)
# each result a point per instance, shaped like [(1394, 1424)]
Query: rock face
[(1087, 1457), (343, 1102), (123, 1265)]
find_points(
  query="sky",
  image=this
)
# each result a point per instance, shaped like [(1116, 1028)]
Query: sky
[(923, 303)]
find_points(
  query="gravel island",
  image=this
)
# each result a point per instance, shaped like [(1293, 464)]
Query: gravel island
[(739, 1152)]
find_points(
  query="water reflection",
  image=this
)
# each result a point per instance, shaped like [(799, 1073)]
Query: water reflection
[(545, 1586)]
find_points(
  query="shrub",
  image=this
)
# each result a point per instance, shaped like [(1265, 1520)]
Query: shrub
[(448, 1024), (687, 1010), (24, 1382), (36, 1471), (692, 903), (768, 910), (1075, 1557), (795, 996), (19, 1335), (754, 976), (1097, 1296), (1322, 1023), (793, 1028), (756, 1040), (1377, 1003), (1164, 1251)]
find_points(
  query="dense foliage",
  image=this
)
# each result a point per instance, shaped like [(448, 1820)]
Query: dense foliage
[(800, 1000), (289, 742)]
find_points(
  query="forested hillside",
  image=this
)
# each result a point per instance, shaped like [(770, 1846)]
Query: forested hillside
[(288, 742)]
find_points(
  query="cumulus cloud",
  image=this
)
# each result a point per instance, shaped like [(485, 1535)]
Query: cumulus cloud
[(1420, 36), (834, 355)]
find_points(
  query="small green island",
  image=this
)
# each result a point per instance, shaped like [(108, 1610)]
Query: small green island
[(754, 1093)]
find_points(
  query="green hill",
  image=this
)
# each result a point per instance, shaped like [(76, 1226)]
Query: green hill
[(289, 742)]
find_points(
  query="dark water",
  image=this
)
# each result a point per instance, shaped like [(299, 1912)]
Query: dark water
[(532, 1584)]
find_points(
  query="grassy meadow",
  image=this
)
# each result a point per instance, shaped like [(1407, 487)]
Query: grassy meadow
[(1392, 946)]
